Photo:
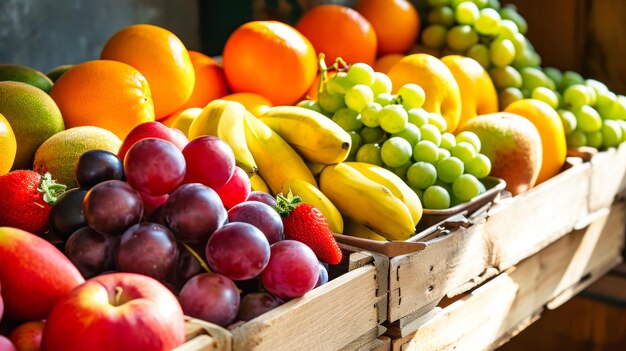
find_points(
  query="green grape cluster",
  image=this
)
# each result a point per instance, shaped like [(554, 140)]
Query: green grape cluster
[(392, 130)]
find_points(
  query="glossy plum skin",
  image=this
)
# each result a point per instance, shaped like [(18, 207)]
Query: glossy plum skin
[(293, 270), (211, 297), (260, 215), (66, 215), (257, 303), (149, 249), (210, 161), (154, 166), (96, 166), (262, 197), (112, 207), (91, 252)]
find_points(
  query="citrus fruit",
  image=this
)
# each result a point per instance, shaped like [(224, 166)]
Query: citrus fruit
[(33, 115), (385, 62), (396, 23), (161, 57), (254, 103), (106, 94), (8, 146), (513, 145), (210, 81), (59, 154), (550, 127), (339, 31), (270, 59), (19, 73), (58, 71)]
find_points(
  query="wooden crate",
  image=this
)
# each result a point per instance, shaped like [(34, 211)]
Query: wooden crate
[(346, 313), (607, 176), (491, 314)]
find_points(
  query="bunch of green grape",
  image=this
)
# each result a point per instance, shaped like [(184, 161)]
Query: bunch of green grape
[(395, 132)]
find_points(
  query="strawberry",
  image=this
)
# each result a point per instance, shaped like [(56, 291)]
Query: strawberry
[(306, 223), (25, 200)]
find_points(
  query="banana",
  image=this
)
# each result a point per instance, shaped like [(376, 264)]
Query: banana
[(313, 135), (394, 183), (314, 167), (277, 161), (312, 195), (358, 230), (258, 184), (367, 202), (225, 120)]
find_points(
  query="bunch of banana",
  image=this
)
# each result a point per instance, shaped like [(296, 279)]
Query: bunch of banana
[(369, 196)]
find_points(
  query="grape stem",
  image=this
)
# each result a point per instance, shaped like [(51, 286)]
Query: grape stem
[(339, 65), (196, 256)]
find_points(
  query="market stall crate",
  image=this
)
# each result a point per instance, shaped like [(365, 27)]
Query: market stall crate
[(491, 314), (345, 313)]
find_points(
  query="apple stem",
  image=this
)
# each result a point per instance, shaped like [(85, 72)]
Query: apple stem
[(118, 295), (197, 257)]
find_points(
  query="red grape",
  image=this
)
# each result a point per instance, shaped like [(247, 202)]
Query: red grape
[(293, 270), (238, 250), (154, 166), (152, 203), (257, 303), (236, 190), (90, 251), (112, 207), (262, 197), (210, 161), (66, 215), (147, 248), (260, 215), (186, 266), (211, 297), (193, 212), (96, 166)]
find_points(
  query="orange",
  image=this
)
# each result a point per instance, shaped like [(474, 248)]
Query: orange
[(8, 146), (210, 81), (161, 57), (396, 23), (384, 63), (254, 103), (339, 31), (270, 59), (102, 93), (550, 127)]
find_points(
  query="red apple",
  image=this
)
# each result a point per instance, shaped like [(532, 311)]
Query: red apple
[(152, 130), (1, 303), (117, 311), (27, 337), (34, 275), (6, 344)]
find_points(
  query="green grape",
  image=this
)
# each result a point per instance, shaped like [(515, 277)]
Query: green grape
[(466, 12), (361, 73), (494, 4), (436, 198), (438, 121), (479, 166), (311, 105), (434, 36), (508, 30), (481, 3), (594, 139), (461, 38), (418, 116), (533, 77), (622, 125), (570, 78), (449, 169), (448, 141), (605, 102), (369, 153), (410, 133), (467, 187), (599, 87), (369, 114), (443, 15), (508, 96), (413, 96), (425, 151), (357, 141), (382, 84), (384, 99), (554, 74), (576, 95), (611, 133), (546, 95), (447, 186), (504, 77), (348, 119), (521, 46), (431, 133), (464, 151), (395, 152), (469, 137), (488, 22), (502, 52), (568, 119), (510, 12), (331, 103), (358, 97), (527, 58), (480, 53), (437, 3), (372, 135), (587, 119), (338, 84), (401, 171), (576, 138), (393, 118), (593, 96), (421, 175), (442, 153)]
